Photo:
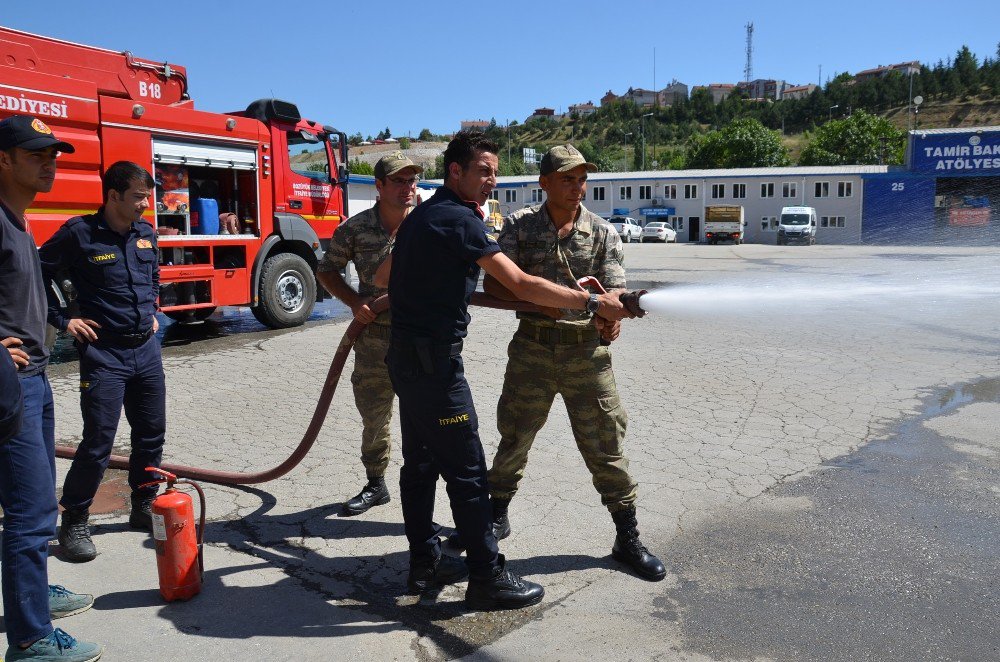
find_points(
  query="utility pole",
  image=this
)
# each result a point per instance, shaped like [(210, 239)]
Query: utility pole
[(642, 121), (625, 152)]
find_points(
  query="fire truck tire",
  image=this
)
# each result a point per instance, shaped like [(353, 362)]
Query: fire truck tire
[(287, 292), (188, 316)]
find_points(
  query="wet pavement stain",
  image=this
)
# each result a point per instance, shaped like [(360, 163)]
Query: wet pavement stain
[(889, 553)]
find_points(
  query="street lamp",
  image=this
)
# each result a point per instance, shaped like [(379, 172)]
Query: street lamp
[(642, 122), (830, 116), (625, 151)]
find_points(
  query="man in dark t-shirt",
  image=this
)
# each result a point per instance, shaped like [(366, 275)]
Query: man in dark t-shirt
[(431, 275)]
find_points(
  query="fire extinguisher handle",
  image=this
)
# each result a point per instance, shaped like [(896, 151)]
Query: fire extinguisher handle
[(201, 522)]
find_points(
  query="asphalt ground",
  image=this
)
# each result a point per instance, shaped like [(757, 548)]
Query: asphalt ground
[(814, 431)]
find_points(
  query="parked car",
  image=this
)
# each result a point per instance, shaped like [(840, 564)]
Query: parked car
[(659, 231), (628, 228)]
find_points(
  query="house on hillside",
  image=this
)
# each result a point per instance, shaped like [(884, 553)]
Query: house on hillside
[(640, 97), (719, 91), (475, 124), (763, 88), (798, 91), (583, 109), (905, 68), (608, 98), (541, 112), (672, 93)]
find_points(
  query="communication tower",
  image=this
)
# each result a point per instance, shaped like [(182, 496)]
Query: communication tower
[(748, 69)]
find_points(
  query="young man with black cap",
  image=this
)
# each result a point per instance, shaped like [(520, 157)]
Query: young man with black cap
[(431, 274), (366, 239), (28, 152), (111, 258)]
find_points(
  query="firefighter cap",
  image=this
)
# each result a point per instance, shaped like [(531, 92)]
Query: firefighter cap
[(392, 163), (31, 133), (562, 158)]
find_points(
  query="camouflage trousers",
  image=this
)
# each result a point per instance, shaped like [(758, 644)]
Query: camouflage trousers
[(582, 374), (373, 397)]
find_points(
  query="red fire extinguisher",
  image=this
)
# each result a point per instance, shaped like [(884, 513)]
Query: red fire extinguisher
[(179, 560)]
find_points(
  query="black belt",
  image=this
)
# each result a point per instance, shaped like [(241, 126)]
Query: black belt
[(425, 350), (551, 335), (123, 340)]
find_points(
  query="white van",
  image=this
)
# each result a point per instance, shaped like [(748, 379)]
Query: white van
[(797, 225)]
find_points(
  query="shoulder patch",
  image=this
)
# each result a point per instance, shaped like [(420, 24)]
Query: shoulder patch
[(143, 243)]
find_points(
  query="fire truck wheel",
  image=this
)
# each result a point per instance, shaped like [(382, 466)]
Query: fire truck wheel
[(287, 292)]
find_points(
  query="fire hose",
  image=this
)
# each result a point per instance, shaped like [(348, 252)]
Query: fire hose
[(629, 299)]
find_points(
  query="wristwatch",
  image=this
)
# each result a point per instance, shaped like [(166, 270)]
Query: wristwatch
[(593, 304)]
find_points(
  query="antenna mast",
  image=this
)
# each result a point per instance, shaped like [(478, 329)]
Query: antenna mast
[(748, 69)]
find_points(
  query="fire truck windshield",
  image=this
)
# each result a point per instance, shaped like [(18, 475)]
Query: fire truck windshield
[(308, 157)]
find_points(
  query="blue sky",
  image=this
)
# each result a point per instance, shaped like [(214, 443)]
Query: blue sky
[(362, 66)]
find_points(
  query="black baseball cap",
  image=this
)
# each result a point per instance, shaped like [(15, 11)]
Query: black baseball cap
[(29, 132)]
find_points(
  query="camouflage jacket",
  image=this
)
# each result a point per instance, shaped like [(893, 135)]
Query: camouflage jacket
[(360, 239), (592, 248)]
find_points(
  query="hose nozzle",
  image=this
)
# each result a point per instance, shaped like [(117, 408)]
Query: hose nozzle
[(631, 302)]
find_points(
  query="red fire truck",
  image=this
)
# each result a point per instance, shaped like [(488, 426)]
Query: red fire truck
[(246, 202)]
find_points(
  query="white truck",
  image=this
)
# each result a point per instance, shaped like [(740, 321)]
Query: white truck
[(797, 225), (724, 223)]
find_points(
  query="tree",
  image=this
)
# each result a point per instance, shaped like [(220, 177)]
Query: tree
[(386, 134), (743, 143), (359, 167), (355, 139), (404, 143), (425, 134), (859, 139)]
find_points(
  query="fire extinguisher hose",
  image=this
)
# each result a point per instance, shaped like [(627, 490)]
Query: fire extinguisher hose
[(319, 414)]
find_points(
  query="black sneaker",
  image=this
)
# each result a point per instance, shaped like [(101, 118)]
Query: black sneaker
[(443, 570), (504, 590), (375, 493), (74, 537), (141, 516)]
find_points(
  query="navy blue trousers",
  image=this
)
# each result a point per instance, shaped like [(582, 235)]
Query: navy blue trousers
[(440, 433), (110, 378), (28, 498)]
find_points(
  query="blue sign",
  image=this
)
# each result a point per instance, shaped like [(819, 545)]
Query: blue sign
[(620, 211), (658, 211), (955, 154)]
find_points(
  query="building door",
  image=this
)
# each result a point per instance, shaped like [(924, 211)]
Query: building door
[(694, 228)]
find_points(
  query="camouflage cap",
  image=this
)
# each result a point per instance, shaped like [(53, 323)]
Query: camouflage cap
[(562, 158), (392, 163)]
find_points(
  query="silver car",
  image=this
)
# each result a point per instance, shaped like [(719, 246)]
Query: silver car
[(659, 231)]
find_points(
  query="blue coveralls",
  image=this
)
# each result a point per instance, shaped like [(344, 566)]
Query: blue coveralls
[(116, 277), (434, 272)]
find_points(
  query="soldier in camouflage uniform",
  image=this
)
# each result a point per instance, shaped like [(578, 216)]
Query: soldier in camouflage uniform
[(562, 241), (366, 239)]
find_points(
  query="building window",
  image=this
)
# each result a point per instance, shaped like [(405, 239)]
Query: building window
[(789, 190), (495, 194), (832, 221), (645, 192), (677, 222), (822, 189), (690, 191), (718, 191), (739, 190), (536, 195), (510, 195), (845, 189), (670, 192), (767, 190), (769, 223), (598, 192), (625, 193)]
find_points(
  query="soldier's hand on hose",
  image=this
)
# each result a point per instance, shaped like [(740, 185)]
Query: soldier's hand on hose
[(609, 330), (611, 307), (13, 345), (83, 329), (362, 312)]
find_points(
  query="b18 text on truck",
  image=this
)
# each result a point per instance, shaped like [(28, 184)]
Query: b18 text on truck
[(246, 202)]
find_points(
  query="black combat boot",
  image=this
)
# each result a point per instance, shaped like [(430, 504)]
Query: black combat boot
[(504, 590), (501, 524), (74, 536), (629, 549), (375, 493), (141, 516), (429, 574)]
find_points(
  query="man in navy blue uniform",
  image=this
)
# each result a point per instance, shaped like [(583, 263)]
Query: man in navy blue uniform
[(431, 274), (28, 152), (111, 259)]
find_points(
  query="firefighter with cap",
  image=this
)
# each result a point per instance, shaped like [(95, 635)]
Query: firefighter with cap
[(561, 241), (28, 154), (366, 239), (432, 271), (111, 258)]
